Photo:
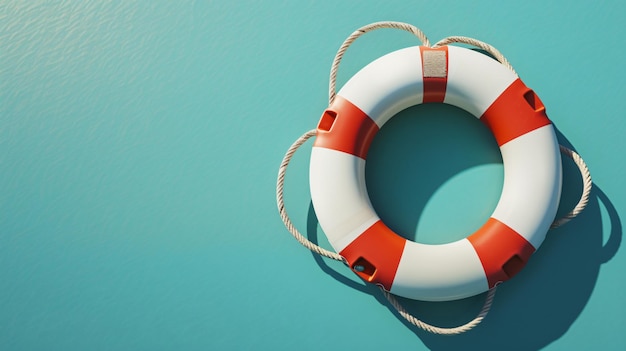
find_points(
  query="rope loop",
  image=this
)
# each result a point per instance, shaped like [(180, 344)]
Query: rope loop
[(280, 200), (332, 91), (438, 330), (587, 185), (479, 44)]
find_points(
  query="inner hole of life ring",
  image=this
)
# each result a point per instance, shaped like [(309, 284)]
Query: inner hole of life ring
[(434, 173)]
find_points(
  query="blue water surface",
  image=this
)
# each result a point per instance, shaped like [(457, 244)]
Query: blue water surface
[(139, 147)]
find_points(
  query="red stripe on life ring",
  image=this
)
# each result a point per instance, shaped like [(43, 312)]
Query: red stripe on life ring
[(434, 73), (515, 112), (375, 254), (502, 251), (344, 127)]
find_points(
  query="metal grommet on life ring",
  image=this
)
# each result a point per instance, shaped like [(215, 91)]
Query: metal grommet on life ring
[(532, 173)]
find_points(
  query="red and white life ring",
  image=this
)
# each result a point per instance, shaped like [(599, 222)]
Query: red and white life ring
[(532, 173)]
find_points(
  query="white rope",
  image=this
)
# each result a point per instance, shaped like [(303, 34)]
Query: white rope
[(479, 44), (332, 91), (280, 184), (587, 185), (587, 182), (438, 330)]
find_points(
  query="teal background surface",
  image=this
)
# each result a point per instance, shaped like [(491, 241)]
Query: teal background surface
[(139, 147)]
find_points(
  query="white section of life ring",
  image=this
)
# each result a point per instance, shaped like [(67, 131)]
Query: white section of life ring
[(453, 267), (531, 184), (349, 214)]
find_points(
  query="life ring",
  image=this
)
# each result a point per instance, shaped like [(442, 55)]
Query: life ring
[(530, 154)]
